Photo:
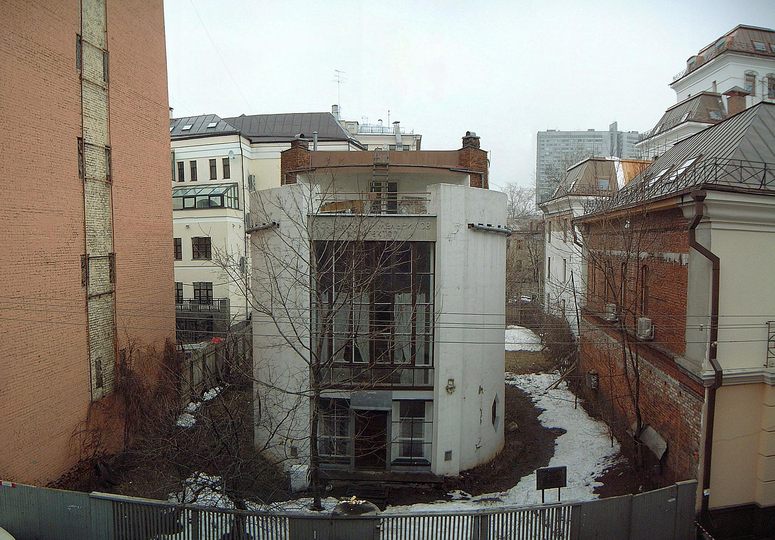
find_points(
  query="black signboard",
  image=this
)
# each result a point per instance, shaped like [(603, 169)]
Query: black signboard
[(551, 477)]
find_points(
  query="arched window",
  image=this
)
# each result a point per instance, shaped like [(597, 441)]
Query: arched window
[(749, 82), (771, 85)]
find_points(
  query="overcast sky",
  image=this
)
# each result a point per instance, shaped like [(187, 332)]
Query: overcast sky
[(503, 69)]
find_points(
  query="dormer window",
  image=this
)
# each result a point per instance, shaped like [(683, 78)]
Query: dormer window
[(760, 46), (720, 43), (715, 115)]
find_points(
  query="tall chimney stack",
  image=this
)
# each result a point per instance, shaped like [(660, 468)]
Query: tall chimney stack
[(335, 111), (735, 100)]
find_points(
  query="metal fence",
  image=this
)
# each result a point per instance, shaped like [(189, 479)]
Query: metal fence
[(48, 514)]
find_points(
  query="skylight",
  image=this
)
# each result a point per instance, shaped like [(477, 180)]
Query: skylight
[(212, 125), (715, 115), (655, 178), (685, 165), (685, 116), (186, 127)]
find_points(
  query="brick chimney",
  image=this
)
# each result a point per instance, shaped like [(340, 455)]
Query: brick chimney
[(473, 158), (735, 100), (293, 159)]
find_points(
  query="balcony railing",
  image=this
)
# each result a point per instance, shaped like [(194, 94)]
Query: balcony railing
[(203, 305), (380, 203), (377, 376)]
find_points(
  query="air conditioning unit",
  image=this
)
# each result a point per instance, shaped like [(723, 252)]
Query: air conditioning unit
[(645, 330), (611, 314)]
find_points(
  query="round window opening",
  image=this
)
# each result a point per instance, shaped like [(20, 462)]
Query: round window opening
[(495, 416)]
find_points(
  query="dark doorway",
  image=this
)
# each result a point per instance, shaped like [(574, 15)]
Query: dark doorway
[(370, 439)]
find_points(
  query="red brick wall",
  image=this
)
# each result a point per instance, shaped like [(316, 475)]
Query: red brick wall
[(142, 205), (670, 401), (662, 240), (44, 370), (295, 158), (475, 159)]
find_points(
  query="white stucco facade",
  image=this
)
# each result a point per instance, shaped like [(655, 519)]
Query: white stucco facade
[(457, 394)]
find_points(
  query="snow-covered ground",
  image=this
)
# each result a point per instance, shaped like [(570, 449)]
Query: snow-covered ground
[(585, 448), (187, 418), (519, 338)]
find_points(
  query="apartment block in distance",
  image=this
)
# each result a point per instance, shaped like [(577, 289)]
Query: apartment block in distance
[(86, 264), (381, 136), (382, 275), (557, 151)]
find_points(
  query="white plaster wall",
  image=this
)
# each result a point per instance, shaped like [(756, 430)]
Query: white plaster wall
[(727, 70), (559, 287), (281, 323), (470, 293)]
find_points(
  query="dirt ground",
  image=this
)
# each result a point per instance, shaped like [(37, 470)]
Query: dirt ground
[(521, 362)]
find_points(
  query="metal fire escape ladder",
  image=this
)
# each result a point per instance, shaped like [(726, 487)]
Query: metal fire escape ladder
[(380, 174)]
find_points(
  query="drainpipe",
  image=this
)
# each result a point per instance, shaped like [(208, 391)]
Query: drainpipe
[(699, 197)]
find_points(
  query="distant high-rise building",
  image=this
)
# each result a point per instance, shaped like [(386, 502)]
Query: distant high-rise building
[(556, 151)]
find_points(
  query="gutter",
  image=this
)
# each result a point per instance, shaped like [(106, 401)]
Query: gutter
[(699, 198)]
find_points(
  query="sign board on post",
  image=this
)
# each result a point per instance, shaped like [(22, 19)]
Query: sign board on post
[(550, 478)]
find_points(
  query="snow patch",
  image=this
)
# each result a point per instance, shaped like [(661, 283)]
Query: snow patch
[(519, 338)]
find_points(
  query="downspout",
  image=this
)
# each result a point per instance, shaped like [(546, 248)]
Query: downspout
[(245, 202), (699, 197)]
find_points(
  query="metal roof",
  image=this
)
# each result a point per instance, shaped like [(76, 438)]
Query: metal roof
[(261, 127), (285, 127), (199, 126), (736, 154), (705, 107)]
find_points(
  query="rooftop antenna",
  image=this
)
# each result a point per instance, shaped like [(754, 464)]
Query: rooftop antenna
[(339, 78)]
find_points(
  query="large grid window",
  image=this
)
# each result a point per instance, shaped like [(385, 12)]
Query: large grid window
[(178, 245), (178, 292), (201, 247), (334, 440), (207, 196), (412, 432), (375, 302), (203, 292)]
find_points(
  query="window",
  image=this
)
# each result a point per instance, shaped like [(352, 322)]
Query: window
[(187, 127), (178, 244), (226, 168), (407, 147), (564, 230), (376, 305), (105, 66), (201, 248), (251, 182), (181, 171), (192, 164), (720, 43), (715, 115), (412, 433), (495, 412), (178, 292), (759, 46), (205, 196), (203, 292), (213, 170), (549, 231), (549, 268), (603, 184), (750, 82), (565, 270), (78, 52), (108, 164), (98, 378), (644, 290), (212, 125), (562, 307), (334, 442), (771, 85)]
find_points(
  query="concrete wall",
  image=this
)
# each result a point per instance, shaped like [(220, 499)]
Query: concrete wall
[(45, 383), (470, 290)]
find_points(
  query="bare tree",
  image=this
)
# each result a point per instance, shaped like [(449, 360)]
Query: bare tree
[(341, 301)]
